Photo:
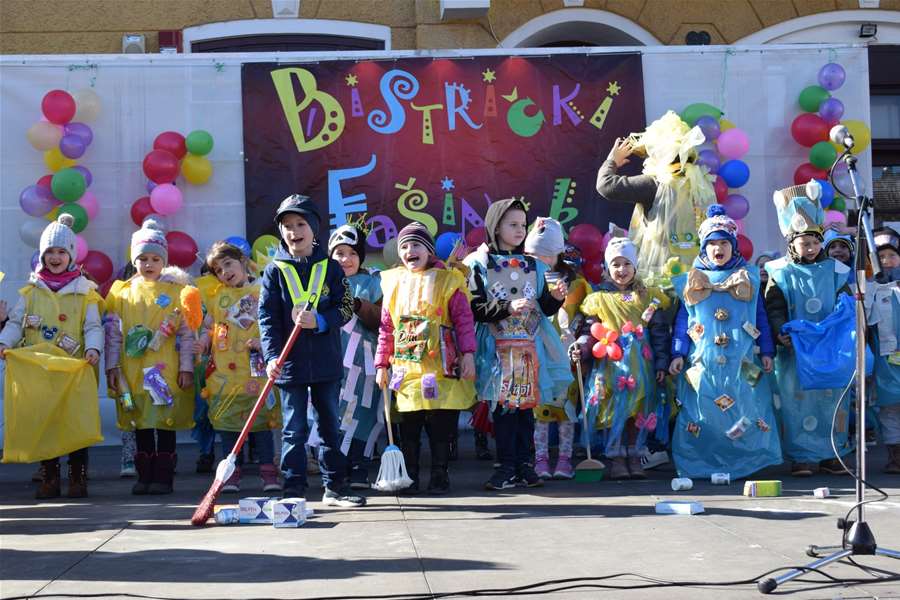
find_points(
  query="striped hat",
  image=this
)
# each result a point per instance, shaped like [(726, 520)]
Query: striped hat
[(416, 232)]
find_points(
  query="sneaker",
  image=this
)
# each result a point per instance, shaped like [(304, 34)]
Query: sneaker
[(439, 483), (564, 468), (233, 485), (410, 490), (832, 466), (359, 479), (500, 481), (205, 463), (526, 477), (871, 437), (344, 499), (802, 469), (292, 491), (312, 464), (542, 468), (618, 469), (269, 476), (128, 469), (651, 460)]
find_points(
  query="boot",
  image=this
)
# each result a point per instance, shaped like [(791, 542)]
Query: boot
[(481, 446), (269, 476), (49, 487), (439, 483), (77, 478), (893, 464), (634, 464), (143, 463), (163, 473), (618, 469), (411, 452)]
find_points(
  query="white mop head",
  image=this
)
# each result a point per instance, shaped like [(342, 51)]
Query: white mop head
[(392, 475)]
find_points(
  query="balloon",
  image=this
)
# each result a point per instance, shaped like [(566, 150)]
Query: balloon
[(104, 288), (68, 185), (58, 107), (45, 182), (98, 265), (71, 146), (839, 204), (831, 110), (89, 202), (834, 216), (710, 160), (30, 231), (161, 166), (141, 209), (841, 177), (444, 244), (265, 247), (735, 172), (35, 260), (807, 129), (389, 252), (694, 111), (476, 237), (81, 249), (44, 135), (725, 124), (827, 193), (88, 178), (241, 243), (196, 169), (709, 126), (593, 271), (589, 240), (741, 228), (832, 76), (721, 189), (733, 143), (172, 142), (78, 213), (811, 97), (87, 104), (822, 155), (36, 201), (745, 246), (55, 160), (805, 172), (182, 249), (861, 134), (199, 142), (166, 199), (736, 206), (54, 212), (81, 130)]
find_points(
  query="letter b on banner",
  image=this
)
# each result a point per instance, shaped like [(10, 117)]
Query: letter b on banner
[(331, 109)]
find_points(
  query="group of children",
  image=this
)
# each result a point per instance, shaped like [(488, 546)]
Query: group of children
[(505, 330)]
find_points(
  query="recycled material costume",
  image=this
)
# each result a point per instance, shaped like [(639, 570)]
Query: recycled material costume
[(884, 317)]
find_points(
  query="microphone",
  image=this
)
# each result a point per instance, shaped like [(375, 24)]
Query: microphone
[(840, 135)]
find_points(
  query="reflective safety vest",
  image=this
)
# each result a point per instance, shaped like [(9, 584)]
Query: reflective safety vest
[(299, 294)]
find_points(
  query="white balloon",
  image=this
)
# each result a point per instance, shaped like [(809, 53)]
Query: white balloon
[(30, 231), (87, 105)]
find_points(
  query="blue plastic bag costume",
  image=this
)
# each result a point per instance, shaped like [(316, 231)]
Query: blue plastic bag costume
[(726, 422), (886, 319)]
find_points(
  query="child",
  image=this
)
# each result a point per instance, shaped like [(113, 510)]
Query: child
[(840, 248), (427, 340), (889, 257), (726, 422), (805, 285), (521, 360), (883, 307), (61, 306), (361, 409), (302, 273), (622, 383), (153, 379), (237, 372)]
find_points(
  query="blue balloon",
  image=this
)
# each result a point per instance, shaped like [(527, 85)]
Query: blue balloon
[(735, 173), (241, 243), (444, 244), (827, 193)]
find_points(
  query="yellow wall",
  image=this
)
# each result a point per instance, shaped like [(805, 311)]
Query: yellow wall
[(96, 26)]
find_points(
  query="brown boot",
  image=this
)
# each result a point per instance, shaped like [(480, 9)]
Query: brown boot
[(618, 468), (77, 478), (634, 467), (143, 464), (163, 473), (49, 487), (893, 464)]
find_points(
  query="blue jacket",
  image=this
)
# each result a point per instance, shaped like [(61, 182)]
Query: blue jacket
[(316, 356)]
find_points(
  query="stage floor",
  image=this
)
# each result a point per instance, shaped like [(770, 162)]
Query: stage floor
[(115, 543)]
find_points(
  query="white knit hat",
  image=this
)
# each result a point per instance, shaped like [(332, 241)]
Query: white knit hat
[(545, 238), (59, 234), (623, 247), (150, 238)]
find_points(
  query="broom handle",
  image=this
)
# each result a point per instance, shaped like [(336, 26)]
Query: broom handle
[(584, 407), (386, 393), (295, 333)]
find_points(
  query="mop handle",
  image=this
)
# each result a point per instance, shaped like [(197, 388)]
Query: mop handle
[(295, 333), (584, 407), (386, 392)]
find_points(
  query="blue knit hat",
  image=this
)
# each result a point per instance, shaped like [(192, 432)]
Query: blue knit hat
[(718, 226)]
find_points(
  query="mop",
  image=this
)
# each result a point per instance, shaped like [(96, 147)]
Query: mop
[(588, 470), (392, 475)]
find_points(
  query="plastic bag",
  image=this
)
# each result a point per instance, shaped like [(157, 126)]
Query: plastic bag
[(826, 351), (50, 404)]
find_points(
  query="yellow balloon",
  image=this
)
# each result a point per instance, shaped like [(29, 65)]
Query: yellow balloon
[(196, 169), (55, 160), (725, 124), (861, 134), (52, 214)]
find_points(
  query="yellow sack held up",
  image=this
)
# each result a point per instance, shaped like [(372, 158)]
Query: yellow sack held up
[(50, 404)]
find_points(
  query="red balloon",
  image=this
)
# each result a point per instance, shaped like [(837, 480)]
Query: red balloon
[(721, 189), (161, 166), (172, 142), (98, 266), (589, 240), (140, 210), (745, 246), (806, 171), (593, 271), (45, 181), (597, 330), (104, 289), (808, 129), (614, 352), (182, 249), (476, 237), (58, 107)]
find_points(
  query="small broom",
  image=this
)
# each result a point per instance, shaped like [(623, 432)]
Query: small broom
[(588, 470), (226, 466), (192, 308), (392, 475)]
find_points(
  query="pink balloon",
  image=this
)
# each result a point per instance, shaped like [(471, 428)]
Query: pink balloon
[(733, 143), (81, 248), (89, 202), (741, 228), (834, 216), (166, 199)]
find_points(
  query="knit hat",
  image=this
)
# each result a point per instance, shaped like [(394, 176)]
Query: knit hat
[(545, 238), (416, 232), (623, 247), (833, 237), (350, 236), (886, 236), (59, 234), (300, 205), (799, 210), (150, 239), (718, 226)]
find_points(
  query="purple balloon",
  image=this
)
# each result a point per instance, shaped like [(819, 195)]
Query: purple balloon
[(710, 159), (150, 185), (81, 130), (831, 110), (88, 178), (709, 126), (736, 206), (72, 146), (36, 201), (35, 260), (832, 76)]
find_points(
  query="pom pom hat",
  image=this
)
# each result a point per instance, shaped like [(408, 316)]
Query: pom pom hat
[(150, 239), (718, 226), (59, 234)]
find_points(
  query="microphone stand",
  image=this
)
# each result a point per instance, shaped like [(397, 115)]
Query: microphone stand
[(857, 538)]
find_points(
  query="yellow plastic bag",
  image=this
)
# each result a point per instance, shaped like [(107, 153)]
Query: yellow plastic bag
[(50, 404)]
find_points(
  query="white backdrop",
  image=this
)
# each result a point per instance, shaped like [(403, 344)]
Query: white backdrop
[(143, 95)]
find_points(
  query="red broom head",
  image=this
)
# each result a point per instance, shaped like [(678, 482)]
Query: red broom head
[(205, 508)]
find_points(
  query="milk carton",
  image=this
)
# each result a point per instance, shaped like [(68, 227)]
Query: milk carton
[(289, 512), (256, 509)]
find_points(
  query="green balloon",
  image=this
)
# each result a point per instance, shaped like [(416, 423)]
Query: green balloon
[(811, 97), (68, 185), (838, 204), (699, 109), (822, 155), (78, 213), (199, 142)]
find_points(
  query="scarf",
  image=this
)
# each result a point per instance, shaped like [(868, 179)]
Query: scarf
[(57, 281)]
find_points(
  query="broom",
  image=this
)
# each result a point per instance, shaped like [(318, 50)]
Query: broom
[(192, 308), (226, 466), (588, 470), (392, 475)]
